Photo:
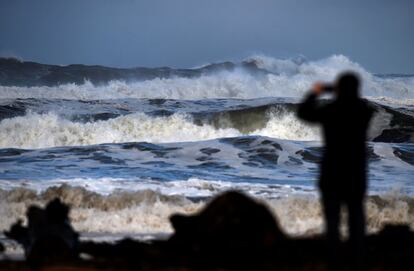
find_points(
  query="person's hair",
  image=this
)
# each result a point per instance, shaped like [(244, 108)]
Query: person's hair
[(348, 85)]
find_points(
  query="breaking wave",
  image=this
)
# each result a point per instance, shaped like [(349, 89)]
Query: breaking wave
[(269, 77), (49, 130), (108, 125)]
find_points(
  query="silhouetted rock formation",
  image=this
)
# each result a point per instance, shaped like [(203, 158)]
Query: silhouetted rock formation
[(231, 225), (233, 232)]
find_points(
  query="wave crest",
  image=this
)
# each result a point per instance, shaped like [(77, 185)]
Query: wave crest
[(49, 130), (271, 77)]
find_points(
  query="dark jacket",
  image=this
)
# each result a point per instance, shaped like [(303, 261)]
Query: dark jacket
[(344, 122)]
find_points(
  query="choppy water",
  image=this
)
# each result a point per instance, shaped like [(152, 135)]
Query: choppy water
[(130, 147)]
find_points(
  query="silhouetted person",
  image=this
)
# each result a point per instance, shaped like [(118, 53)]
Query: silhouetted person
[(343, 169)]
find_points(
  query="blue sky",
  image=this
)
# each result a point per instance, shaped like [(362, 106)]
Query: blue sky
[(185, 33)]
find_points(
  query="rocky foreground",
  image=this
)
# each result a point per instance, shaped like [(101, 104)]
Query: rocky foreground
[(233, 232)]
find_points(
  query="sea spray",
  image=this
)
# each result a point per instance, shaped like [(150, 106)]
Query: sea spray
[(281, 78), (148, 211)]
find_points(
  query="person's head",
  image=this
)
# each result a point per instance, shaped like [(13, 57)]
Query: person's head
[(347, 85)]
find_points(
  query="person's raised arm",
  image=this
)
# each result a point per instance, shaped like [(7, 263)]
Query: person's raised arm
[(308, 110)]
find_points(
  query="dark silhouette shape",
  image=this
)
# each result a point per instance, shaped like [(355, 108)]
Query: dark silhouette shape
[(230, 222), (233, 232), (49, 237), (343, 168)]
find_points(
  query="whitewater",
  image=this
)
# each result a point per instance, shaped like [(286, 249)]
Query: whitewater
[(128, 151)]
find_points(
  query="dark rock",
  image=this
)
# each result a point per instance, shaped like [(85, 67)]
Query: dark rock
[(230, 227), (49, 237), (233, 232)]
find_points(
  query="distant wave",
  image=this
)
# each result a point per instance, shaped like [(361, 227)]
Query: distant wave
[(14, 72), (258, 76)]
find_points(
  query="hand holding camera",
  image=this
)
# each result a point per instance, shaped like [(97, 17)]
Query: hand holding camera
[(319, 88)]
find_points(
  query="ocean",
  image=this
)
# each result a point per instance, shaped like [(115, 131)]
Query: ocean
[(126, 148)]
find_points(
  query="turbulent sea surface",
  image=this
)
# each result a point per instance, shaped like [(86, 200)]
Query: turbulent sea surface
[(129, 147)]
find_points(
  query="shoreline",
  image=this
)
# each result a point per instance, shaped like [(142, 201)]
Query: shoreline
[(390, 249)]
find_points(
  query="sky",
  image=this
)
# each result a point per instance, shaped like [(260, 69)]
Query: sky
[(377, 34)]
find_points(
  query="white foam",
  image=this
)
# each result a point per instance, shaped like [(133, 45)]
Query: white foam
[(283, 125), (146, 211), (292, 78), (49, 130), (192, 188)]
